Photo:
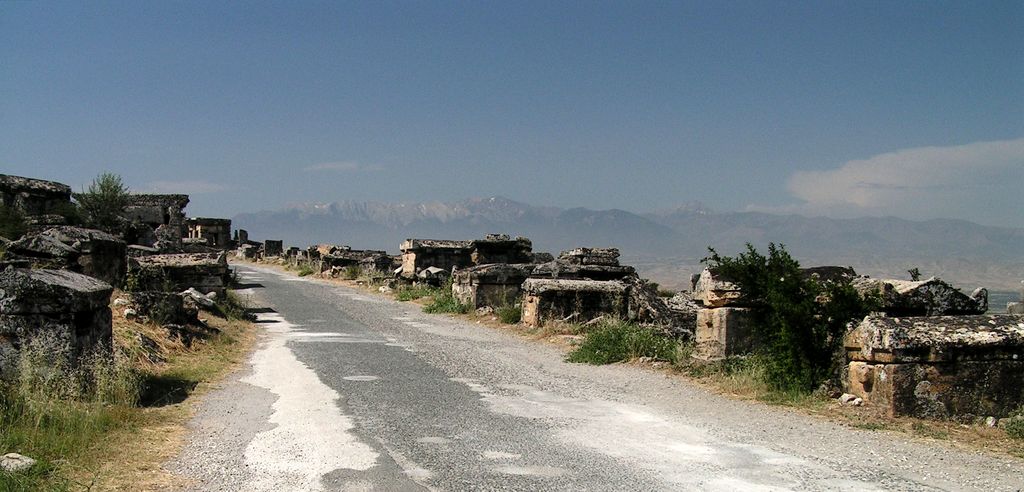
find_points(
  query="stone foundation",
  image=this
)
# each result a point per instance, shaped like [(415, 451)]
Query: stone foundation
[(490, 285)]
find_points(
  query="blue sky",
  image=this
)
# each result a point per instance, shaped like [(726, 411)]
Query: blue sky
[(914, 109)]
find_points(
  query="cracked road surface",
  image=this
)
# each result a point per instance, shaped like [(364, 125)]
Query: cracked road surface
[(349, 391)]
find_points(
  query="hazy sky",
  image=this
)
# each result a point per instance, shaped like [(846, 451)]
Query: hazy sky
[(914, 109)]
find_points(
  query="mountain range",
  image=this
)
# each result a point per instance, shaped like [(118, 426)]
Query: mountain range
[(667, 245)]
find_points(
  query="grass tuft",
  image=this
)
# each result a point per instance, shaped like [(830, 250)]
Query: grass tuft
[(615, 341), (509, 315), (413, 292), (444, 301)]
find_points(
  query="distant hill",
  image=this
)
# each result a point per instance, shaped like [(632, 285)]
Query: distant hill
[(667, 245)]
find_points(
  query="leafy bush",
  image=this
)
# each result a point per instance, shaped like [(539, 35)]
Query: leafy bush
[(616, 340), (509, 314), (305, 269), (103, 203), (800, 322)]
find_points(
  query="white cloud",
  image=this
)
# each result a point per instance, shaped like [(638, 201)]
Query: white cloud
[(343, 166), (184, 187), (921, 182)]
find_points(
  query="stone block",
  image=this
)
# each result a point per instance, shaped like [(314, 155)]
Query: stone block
[(206, 272), (724, 332), (714, 291), (931, 297)]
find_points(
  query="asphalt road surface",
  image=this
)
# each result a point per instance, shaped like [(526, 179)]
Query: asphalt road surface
[(349, 391)]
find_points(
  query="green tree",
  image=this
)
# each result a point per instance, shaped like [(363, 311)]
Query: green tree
[(103, 203), (800, 322)]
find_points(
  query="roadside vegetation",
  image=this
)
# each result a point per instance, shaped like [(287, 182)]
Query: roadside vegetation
[(614, 340), (444, 301), (112, 420), (102, 204), (413, 292)]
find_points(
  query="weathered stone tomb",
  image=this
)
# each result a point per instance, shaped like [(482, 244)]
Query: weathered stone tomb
[(273, 247), (65, 314), (725, 324), (206, 272), (88, 251), (491, 285), (216, 232), (42, 202), (570, 300), (938, 366), (157, 220), (419, 254)]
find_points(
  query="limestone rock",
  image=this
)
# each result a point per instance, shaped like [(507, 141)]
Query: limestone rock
[(715, 291), (724, 332), (14, 463)]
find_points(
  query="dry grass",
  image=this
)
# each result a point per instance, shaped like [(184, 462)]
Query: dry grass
[(132, 458)]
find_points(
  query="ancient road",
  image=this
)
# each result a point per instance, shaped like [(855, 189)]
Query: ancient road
[(352, 392)]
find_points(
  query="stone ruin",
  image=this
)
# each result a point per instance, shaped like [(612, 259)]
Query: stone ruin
[(156, 221), (206, 272), (493, 285), (585, 263), (500, 248), (931, 297), (67, 314), (215, 232), (273, 247), (88, 251), (570, 300), (724, 321), (334, 260), (42, 202), (938, 366), (420, 254)]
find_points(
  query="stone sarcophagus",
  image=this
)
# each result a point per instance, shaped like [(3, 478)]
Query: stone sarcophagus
[(490, 285), (570, 300), (938, 366), (205, 272), (62, 313)]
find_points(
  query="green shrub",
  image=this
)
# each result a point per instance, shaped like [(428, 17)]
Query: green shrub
[(616, 340), (413, 292), (800, 323), (103, 203), (305, 269), (509, 314), (1015, 424), (444, 301)]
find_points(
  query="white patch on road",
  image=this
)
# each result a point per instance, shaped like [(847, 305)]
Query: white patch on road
[(532, 471), (500, 455), (360, 378), (433, 440), (682, 454), (311, 436)]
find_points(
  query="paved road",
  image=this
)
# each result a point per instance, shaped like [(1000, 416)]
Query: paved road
[(353, 392)]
